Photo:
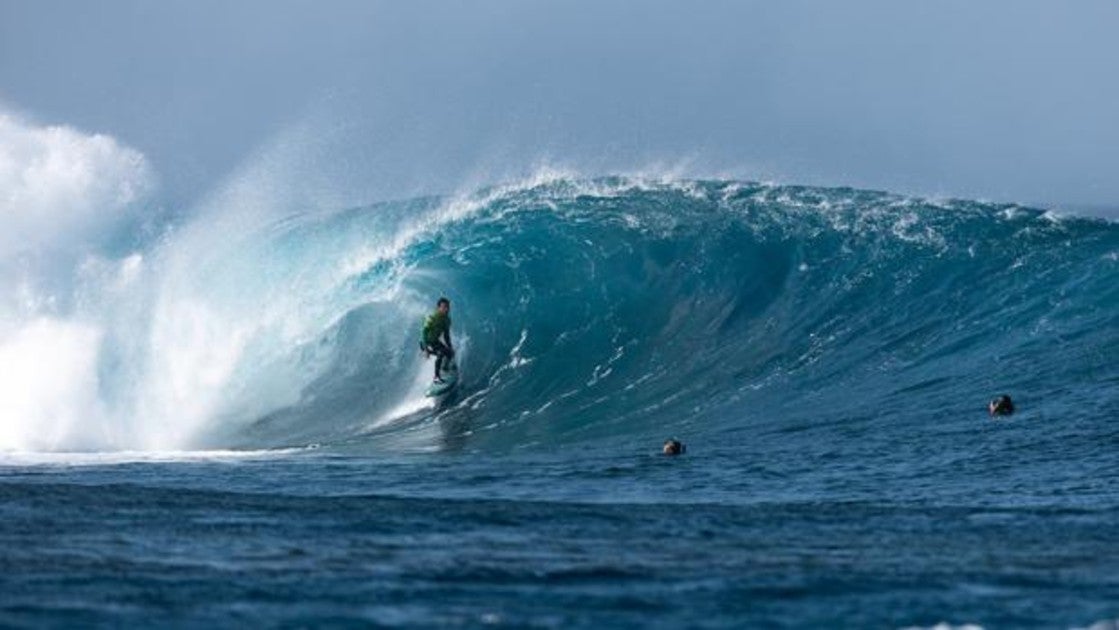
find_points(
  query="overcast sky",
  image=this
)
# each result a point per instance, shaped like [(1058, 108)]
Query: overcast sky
[(1014, 100)]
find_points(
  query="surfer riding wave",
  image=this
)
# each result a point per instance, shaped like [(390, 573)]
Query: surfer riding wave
[(436, 337)]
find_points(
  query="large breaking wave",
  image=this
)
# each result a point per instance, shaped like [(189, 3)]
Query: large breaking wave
[(585, 310), (593, 309)]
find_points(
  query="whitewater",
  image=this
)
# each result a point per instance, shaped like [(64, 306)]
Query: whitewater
[(218, 416)]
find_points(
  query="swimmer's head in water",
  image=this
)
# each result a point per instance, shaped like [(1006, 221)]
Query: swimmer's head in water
[(1001, 406), (673, 447)]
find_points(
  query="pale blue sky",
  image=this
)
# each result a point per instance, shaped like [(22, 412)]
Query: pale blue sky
[(998, 100)]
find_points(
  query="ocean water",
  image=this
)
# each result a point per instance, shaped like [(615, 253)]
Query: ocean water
[(223, 424)]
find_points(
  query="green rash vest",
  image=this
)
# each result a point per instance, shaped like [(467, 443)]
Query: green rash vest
[(435, 325)]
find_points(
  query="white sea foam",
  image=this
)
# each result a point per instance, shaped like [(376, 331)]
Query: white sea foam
[(64, 193), (49, 384), (61, 185), (110, 458), (141, 352)]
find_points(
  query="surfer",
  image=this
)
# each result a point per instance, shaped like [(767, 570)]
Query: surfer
[(673, 447), (1001, 406), (437, 329)]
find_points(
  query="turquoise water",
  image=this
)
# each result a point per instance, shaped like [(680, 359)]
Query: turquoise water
[(826, 355)]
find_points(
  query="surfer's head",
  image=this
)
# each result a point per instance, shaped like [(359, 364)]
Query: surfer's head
[(1001, 406), (673, 447), (443, 305)]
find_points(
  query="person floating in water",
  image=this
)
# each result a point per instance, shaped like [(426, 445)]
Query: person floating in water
[(437, 336), (1001, 406), (673, 447)]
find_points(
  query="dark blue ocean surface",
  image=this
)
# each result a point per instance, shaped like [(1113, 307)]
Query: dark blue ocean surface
[(826, 354)]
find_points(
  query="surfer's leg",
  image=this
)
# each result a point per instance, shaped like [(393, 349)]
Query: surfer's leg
[(440, 351)]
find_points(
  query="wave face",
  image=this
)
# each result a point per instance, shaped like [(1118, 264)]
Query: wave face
[(606, 310)]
